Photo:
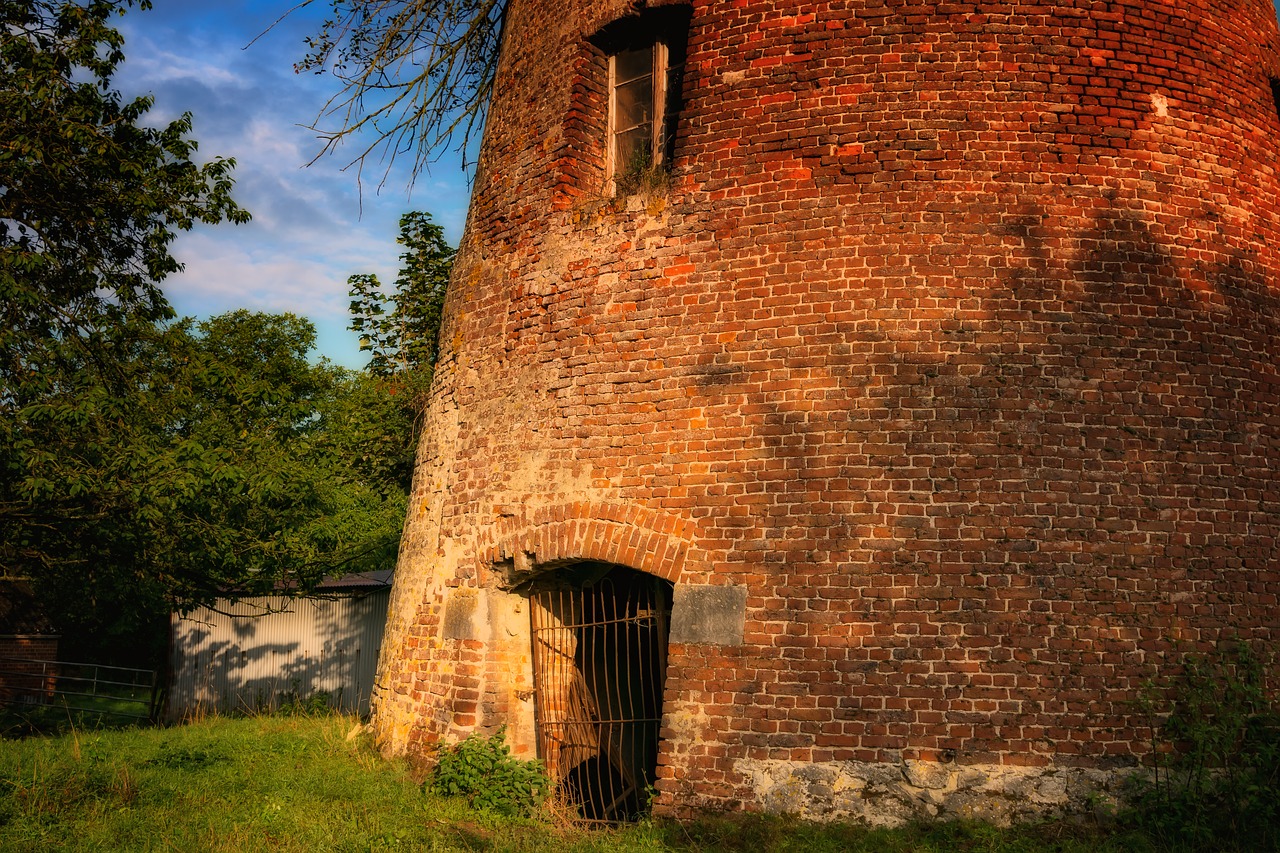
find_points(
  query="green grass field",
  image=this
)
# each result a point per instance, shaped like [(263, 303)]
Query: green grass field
[(315, 784)]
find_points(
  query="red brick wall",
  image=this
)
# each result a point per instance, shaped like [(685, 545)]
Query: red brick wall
[(20, 675), (954, 340)]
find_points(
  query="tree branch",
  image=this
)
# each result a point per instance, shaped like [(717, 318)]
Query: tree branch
[(415, 76)]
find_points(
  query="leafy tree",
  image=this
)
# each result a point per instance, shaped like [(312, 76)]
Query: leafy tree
[(91, 199), (147, 465), (227, 462), (368, 438), (401, 330), (415, 75)]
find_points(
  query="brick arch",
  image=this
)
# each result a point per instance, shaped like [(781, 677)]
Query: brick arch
[(654, 542)]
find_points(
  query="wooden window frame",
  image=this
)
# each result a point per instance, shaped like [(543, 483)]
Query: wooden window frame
[(665, 31), (659, 112)]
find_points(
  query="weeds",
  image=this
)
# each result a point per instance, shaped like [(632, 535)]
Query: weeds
[(1215, 780), (178, 757), (645, 181), (292, 703), (484, 771), (640, 174)]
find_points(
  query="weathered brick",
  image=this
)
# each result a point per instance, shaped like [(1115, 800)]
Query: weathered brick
[(953, 339)]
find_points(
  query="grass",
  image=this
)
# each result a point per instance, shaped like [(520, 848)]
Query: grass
[(309, 783), (89, 712)]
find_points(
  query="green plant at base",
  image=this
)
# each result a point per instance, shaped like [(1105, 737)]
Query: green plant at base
[(483, 770), (1215, 783), (638, 173), (320, 702)]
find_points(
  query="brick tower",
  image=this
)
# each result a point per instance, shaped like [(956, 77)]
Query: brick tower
[(864, 397)]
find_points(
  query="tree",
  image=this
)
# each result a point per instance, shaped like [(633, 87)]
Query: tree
[(415, 75), (403, 341), (91, 198), (148, 465), (227, 463)]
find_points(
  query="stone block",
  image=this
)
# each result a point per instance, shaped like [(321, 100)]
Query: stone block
[(709, 614), (460, 612)]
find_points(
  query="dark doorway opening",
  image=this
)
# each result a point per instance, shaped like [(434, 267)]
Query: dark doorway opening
[(599, 663)]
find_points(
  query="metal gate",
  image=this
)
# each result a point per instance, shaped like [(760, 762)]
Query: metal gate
[(599, 663), (45, 691)]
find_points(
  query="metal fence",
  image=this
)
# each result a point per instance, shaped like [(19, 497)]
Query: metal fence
[(121, 693)]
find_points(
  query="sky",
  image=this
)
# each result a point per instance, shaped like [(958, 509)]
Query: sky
[(313, 226)]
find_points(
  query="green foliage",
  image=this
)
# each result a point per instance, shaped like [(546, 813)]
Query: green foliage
[(311, 784), (92, 197), (221, 460), (91, 462), (1215, 783), (148, 465), (406, 337), (483, 770), (401, 330), (294, 704)]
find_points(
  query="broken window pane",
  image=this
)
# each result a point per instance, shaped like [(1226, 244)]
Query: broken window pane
[(634, 152), (633, 104), (630, 64)]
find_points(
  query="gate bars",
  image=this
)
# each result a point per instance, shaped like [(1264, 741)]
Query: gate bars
[(599, 664)]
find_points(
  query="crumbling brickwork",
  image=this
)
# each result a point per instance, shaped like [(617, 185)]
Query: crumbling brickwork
[(951, 337)]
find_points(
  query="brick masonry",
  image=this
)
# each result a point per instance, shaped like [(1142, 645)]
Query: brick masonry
[(952, 340), (23, 674)]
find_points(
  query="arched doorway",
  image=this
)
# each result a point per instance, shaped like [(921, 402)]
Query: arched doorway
[(599, 636)]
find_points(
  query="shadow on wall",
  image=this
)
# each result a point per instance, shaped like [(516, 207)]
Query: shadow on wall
[(261, 654), (1075, 462), (1058, 394)]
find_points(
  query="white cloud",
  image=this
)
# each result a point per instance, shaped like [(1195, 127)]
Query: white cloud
[(148, 64), (223, 274), (311, 227)]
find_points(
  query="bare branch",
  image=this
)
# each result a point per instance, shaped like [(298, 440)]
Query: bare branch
[(415, 78)]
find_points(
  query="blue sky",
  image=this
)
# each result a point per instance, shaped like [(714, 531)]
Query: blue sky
[(309, 232)]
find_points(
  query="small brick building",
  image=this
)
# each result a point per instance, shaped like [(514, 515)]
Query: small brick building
[(859, 399), (28, 646)]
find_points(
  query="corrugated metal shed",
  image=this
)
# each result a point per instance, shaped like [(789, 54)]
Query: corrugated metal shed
[(259, 653)]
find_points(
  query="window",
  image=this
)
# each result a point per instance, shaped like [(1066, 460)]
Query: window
[(646, 72), (644, 87)]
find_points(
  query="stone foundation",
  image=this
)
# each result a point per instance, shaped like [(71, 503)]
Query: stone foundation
[(892, 794)]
